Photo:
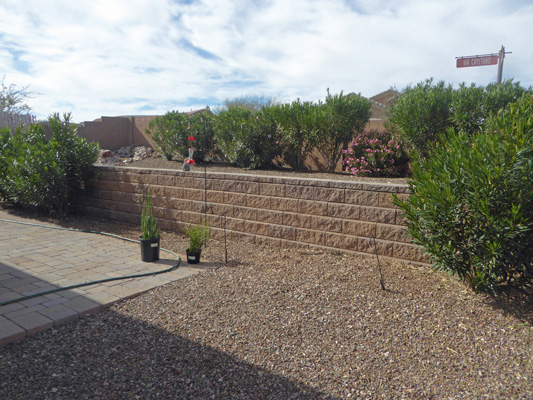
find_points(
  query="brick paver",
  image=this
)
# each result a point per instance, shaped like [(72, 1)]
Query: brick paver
[(36, 259)]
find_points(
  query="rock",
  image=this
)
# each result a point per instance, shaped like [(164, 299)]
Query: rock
[(125, 155)]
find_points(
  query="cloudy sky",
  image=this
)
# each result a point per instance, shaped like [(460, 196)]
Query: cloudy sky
[(143, 57)]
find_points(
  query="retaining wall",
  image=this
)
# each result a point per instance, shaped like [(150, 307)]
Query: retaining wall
[(274, 211)]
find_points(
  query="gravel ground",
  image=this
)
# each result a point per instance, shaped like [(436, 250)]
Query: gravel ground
[(283, 324)]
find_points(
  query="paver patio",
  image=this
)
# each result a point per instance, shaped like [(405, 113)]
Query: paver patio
[(37, 259)]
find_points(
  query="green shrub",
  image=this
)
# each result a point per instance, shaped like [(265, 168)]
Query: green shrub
[(473, 105), (422, 113), (298, 126), (248, 139), (47, 174), (338, 120), (471, 202), (167, 133), (202, 130), (171, 132)]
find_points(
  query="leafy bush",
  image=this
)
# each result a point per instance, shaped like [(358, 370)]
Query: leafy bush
[(167, 133), (421, 114), (202, 130), (43, 173), (172, 131), (338, 119), (297, 123), (471, 203), (248, 139), (375, 154), (473, 105)]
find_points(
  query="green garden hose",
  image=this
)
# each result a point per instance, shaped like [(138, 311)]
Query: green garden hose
[(91, 282)]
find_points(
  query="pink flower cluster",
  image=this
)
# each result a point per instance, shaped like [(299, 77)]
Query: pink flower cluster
[(373, 153)]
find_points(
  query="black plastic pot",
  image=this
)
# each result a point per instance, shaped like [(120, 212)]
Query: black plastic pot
[(150, 249), (193, 258)]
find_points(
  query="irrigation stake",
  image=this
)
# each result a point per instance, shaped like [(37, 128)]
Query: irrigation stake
[(373, 239)]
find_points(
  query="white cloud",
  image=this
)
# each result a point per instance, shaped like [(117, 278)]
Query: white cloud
[(148, 56)]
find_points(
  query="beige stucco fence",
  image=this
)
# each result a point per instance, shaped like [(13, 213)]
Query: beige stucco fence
[(274, 211)]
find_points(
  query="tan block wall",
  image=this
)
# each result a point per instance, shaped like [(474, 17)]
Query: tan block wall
[(274, 211), (112, 133)]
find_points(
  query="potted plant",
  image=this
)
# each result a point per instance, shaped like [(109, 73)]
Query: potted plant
[(199, 235), (149, 229)]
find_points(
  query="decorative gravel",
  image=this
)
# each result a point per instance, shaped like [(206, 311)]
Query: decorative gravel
[(283, 324)]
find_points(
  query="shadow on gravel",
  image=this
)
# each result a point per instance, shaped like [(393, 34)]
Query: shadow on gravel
[(517, 302), (109, 356)]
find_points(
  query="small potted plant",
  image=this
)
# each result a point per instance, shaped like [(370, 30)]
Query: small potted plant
[(149, 230), (199, 235)]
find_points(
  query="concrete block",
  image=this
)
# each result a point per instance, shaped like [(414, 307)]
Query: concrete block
[(381, 215), (327, 224), (341, 241), (297, 220), (272, 189), (361, 197), (272, 217), (409, 252), (284, 204), (256, 201), (312, 207), (346, 211), (385, 248), (358, 228)]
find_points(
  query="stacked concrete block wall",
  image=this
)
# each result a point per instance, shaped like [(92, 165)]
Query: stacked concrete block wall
[(275, 211)]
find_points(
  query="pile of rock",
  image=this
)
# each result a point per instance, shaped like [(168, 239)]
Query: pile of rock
[(124, 155)]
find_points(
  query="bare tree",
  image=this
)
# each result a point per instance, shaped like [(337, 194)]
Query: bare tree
[(13, 99)]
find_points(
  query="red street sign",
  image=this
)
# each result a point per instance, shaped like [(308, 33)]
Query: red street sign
[(478, 61)]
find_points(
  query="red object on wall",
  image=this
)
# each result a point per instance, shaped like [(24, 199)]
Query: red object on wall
[(478, 61)]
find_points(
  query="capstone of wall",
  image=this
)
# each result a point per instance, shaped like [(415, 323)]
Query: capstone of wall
[(275, 211)]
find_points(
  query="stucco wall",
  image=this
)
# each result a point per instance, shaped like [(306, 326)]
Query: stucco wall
[(112, 133), (274, 211)]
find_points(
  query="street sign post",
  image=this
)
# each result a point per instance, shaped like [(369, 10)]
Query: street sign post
[(486, 59), (477, 61)]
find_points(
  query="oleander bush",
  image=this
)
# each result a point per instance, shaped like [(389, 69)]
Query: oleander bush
[(471, 202), (248, 139), (297, 123), (376, 154), (423, 112), (46, 173), (201, 136), (175, 132), (473, 105), (339, 118), (420, 114), (167, 133)]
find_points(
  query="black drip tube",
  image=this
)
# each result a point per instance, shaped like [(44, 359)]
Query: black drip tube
[(91, 282)]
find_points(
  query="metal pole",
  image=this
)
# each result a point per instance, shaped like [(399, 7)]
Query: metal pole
[(500, 65)]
